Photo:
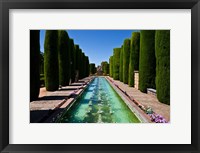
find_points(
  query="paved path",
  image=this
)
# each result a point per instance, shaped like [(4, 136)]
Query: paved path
[(145, 99), (51, 101)]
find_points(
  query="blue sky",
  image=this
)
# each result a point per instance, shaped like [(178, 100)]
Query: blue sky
[(96, 44)]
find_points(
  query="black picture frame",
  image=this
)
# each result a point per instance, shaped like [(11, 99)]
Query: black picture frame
[(5, 5)]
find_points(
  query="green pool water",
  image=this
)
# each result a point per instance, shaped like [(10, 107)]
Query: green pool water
[(99, 103)]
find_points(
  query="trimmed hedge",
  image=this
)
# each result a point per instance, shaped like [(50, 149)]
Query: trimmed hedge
[(34, 64), (41, 62), (147, 62), (92, 68), (111, 66), (87, 66), (121, 65), (79, 51), (51, 60), (162, 43), (64, 58), (105, 67), (82, 65), (126, 56), (76, 62), (134, 57), (136, 49), (116, 63), (72, 60)]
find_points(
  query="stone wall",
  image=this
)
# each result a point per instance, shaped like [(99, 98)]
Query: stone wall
[(136, 79)]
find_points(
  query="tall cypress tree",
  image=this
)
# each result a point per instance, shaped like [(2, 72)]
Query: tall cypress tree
[(134, 57), (136, 50), (92, 68), (51, 60), (147, 63), (111, 66), (104, 67), (126, 56), (34, 64), (162, 43), (116, 63), (82, 65), (87, 66), (121, 65), (64, 58), (72, 59), (77, 61)]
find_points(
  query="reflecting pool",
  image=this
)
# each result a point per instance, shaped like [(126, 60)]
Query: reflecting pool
[(99, 103)]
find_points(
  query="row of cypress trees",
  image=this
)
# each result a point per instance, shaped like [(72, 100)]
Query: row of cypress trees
[(105, 67), (125, 60), (64, 62), (92, 68), (72, 63), (149, 52)]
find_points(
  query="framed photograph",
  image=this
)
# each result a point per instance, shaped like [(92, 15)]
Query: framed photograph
[(99, 76)]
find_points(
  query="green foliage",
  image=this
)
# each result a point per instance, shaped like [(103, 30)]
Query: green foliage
[(162, 44), (105, 67), (134, 57), (82, 65), (111, 66), (136, 49), (76, 62), (147, 62), (126, 56), (34, 64), (72, 60), (51, 60), (121, 65), (41, 63), (116, 63), (64, 58), (87, 66), (92, 68)]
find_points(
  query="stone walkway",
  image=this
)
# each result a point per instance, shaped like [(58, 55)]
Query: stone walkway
[(49, 102), (145, 99)]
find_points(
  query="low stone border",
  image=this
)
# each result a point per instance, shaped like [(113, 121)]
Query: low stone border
[(143, 117), (66, 105)]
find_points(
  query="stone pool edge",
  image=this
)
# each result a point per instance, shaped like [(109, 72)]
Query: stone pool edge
[(142, 117)]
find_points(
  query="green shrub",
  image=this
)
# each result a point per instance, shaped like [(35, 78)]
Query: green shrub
[(162, 43), (134, 57), (64, 58), (34, 64), (111, 66), (126, 56), (121, 65), (116, 63), (51, 60), (147, 62)]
